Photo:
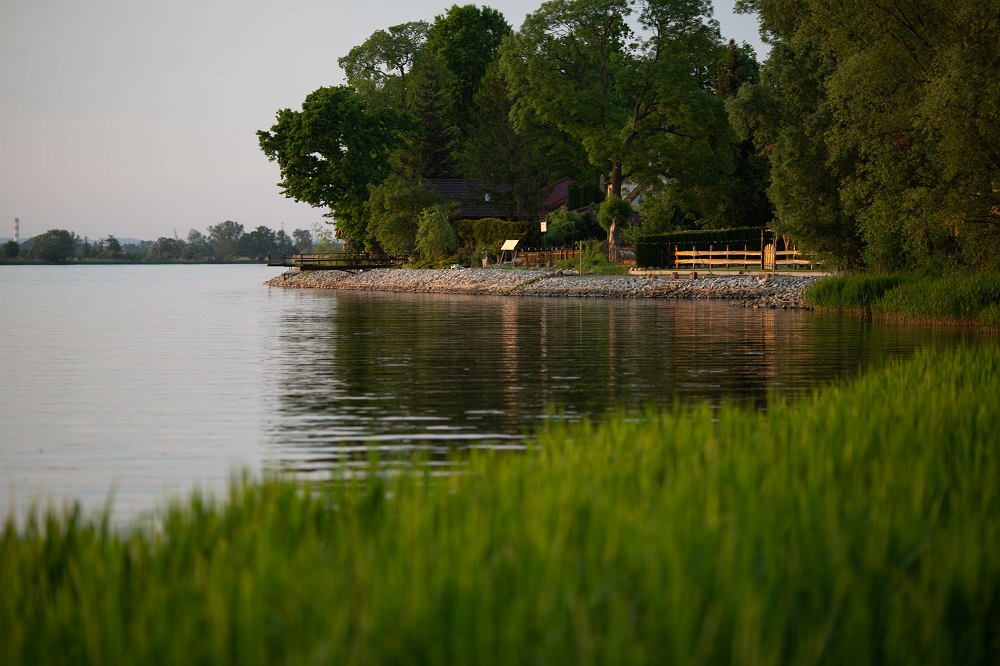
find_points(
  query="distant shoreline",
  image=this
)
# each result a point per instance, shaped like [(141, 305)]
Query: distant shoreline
[(758, 291)]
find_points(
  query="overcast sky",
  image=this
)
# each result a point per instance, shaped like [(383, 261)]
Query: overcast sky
[(138, 117)]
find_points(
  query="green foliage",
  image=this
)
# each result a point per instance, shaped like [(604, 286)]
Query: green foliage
[(970, 298), (55, 245), (394, 209), (436, 239), (332, 151), (639, 102), (199, 245), (884, 148), (431, 144), (564, 226), (378, 69), (466, 39), (657, 250), (518, 161), (225, 238), (820, 532), (323, 239), (303, 241), (614, 211), (10, 250), (257, 244), (166, 249)]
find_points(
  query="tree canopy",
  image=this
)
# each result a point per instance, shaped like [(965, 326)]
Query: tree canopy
[(881, 124), (639, 102), (332, 151)]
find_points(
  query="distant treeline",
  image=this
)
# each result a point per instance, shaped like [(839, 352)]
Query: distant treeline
[(226, 241)]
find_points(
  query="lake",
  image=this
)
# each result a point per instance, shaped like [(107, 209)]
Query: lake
[(130, 384)]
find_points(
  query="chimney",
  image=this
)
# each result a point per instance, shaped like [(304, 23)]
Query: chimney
[(17, 228)]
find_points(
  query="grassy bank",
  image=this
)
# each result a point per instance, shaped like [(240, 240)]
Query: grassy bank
[(969, 298), (856, 527)]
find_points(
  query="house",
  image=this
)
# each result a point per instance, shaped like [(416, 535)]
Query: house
[(478, 199)]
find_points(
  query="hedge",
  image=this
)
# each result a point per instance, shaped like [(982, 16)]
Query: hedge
[(657, 250)]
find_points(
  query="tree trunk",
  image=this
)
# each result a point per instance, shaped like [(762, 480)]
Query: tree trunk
[(614, 231)]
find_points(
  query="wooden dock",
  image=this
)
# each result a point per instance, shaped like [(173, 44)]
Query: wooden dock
[(335, 261)]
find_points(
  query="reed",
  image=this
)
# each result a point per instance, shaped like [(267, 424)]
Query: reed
[(969, 298), (856, 526)]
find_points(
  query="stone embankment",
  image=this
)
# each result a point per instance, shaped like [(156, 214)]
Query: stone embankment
[(757, 291)]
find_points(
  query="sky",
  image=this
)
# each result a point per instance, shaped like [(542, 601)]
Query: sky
[(138, 118)]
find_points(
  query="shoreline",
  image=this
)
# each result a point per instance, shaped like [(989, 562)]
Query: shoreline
[(776, 292)]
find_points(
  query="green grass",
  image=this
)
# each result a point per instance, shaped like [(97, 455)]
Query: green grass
[(971, 298), (858, 526)]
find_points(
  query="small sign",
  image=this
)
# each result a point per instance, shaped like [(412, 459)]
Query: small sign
[(545, 226)]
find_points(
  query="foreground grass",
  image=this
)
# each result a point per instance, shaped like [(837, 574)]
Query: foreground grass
[(856, 527), (971, 298)]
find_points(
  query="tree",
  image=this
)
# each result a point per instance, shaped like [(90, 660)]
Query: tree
[(436, 238), (55, 245), (166, 249), (614, 213), (332, 151), (394, 210), (430, 144), (224, 238), (467, 40), (198, 245), (114, 247), (378, 68), (517, 161), (257, 244), (886, 115), (640, 104), (10, 250), (303, 240)]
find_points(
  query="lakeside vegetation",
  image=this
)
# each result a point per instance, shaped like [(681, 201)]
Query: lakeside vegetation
[(857, 526), (961, 298)]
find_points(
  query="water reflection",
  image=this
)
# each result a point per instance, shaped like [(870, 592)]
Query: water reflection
[(438, 372)]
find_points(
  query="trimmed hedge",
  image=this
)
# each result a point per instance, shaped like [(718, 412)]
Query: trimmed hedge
[(491, 231), (657, 250)]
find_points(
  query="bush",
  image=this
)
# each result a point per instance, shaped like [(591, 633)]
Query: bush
[(436, 239), (10, 250), (563, 227)]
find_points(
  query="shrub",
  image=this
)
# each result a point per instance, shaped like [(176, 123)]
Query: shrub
[(436, 239)]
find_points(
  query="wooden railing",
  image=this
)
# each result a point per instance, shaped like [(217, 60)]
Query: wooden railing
[(769, 259), (549, 257)]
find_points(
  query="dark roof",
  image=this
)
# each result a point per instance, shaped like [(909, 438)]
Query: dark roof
[(476, 199)]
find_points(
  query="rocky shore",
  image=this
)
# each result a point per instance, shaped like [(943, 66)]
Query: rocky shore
[(756, 291)]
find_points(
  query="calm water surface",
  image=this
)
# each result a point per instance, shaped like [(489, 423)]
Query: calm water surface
[(142, 382)]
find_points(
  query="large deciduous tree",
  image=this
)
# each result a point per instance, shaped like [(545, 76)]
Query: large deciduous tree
[(225, 238), (332, 151), (379, 68), (639, 102), (882, 126), (55, 245), (467, 40)]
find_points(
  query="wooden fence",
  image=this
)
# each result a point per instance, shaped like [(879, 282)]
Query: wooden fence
[(769, 259)]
